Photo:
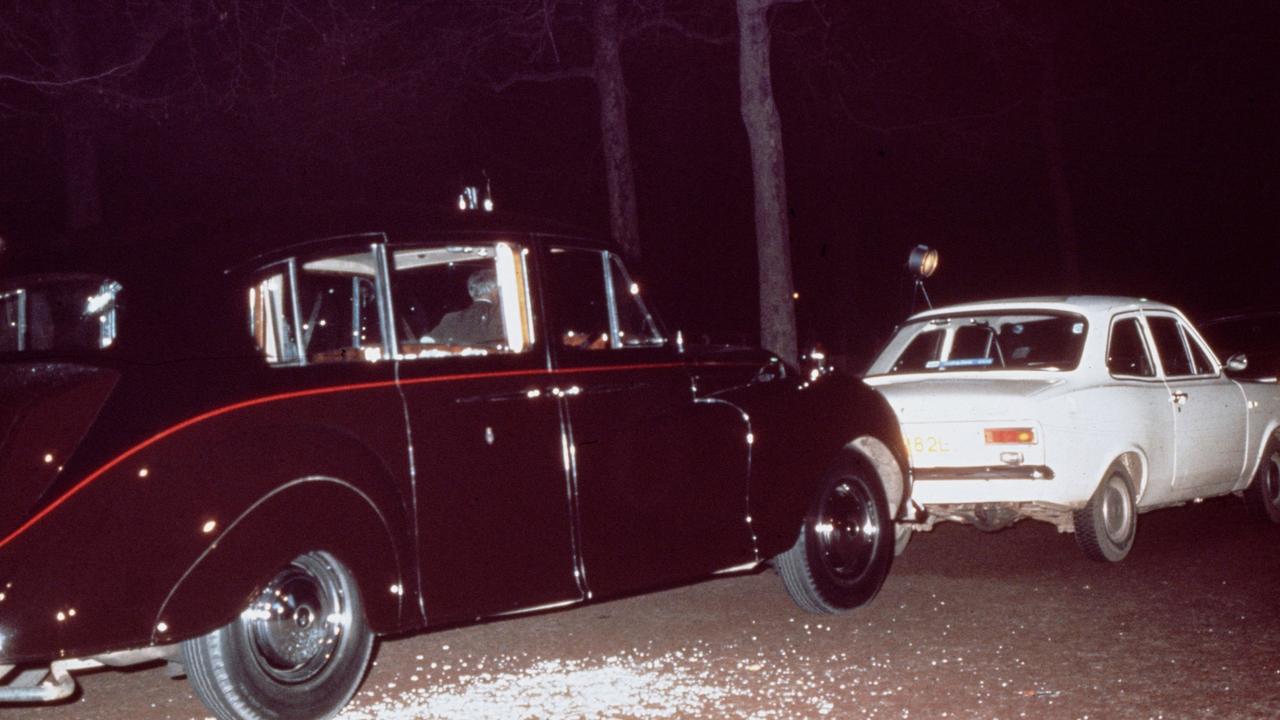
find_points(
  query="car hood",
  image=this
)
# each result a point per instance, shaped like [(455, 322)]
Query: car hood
[(962, 397), (45, 411)]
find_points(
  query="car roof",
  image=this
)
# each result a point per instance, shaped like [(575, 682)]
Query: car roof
[(1088, 305)]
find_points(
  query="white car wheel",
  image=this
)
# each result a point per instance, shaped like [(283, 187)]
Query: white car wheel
[(1263, 494), (1106, 526)]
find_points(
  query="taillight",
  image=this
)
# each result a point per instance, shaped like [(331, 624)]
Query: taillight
[(1009, 436)]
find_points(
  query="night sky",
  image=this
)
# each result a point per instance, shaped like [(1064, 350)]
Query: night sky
[(944, 123)]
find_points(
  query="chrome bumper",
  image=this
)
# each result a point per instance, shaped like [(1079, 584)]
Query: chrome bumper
[(54, 683), (994, 472)]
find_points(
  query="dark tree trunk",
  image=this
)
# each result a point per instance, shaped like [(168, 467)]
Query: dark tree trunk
[(764, 134), (607, 72)]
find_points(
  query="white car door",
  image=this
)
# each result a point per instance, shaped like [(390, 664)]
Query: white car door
[(1142, 409), (1209, 411)]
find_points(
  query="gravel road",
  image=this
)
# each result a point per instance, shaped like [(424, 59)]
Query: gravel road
[(969, 625)]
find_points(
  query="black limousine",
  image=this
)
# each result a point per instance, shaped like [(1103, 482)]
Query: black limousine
[(252, 469)]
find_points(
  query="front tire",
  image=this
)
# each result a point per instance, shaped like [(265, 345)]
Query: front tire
[(299, 651), (1263, 494), (1106, 526), (845, 545)]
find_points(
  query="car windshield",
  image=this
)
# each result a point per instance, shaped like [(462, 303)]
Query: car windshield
[(1014, 341), (58, 313)]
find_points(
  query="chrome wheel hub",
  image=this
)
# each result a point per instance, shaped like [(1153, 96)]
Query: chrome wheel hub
[(295, 624), (1117, 510), (848, 530)]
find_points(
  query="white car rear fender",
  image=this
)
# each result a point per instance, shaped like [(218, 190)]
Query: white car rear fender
[(1134, 462)]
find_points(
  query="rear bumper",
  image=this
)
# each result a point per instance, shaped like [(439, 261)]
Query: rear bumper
[(994, 484), (996, 472)]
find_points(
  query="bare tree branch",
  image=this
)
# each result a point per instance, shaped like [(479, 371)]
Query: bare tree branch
[(541, 77), (69, 82)]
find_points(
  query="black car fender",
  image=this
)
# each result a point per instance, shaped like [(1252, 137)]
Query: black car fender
[(829, 417), (310, 513)]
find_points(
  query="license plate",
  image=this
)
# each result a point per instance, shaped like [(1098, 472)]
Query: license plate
[(927, 445)]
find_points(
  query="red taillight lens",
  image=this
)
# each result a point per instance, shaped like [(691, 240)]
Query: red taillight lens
[(1009, 436)]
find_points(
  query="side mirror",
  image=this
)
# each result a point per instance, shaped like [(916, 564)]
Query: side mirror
[(1237, 363)]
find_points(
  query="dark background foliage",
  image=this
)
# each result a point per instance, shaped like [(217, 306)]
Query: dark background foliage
[(1116, 147)]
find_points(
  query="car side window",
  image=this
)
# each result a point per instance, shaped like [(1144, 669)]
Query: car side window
[(578, 298), (636, 327), (338, 308), (1126, 352), (596, 306), (318, 309), (1199, 356), (1170, 346), (460, 300), (271, 314)]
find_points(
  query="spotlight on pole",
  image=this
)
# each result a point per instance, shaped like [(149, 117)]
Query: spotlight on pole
[(921, 263)]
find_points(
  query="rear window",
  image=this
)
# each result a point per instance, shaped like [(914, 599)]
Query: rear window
[(58, 314), (1023, 341)]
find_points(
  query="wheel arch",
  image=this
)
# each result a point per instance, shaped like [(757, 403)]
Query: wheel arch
[(1134, 464), (833, 417), (1271, 435), (886, 466), (339, 519)]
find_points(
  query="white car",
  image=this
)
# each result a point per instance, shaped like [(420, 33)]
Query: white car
[(1079, 411)]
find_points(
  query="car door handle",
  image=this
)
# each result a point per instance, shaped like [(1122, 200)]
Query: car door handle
[(1178, 398)]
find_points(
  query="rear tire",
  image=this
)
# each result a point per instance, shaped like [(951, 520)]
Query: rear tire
[(298, 652), (1106, 526), (1263, 494), (845, 545)]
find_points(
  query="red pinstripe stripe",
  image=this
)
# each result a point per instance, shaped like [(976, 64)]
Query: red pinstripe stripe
[(308, 393)]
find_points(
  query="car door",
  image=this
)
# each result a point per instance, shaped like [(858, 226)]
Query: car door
[(490, 484), (1209, 410), (660, 477), (1139, 403)]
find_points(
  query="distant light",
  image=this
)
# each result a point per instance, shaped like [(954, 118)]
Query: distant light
[(209, 526), (48, 458), (795, 296), (488, 204), (635, 288), (143, 472)]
